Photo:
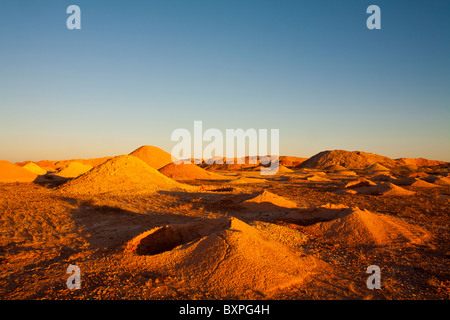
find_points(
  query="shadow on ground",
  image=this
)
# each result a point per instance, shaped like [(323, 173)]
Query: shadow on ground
[(108, 227)]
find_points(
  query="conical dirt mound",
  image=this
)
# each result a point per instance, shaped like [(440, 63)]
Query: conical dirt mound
[(362, 182), (414, 182), (309, 216), (316, 178), (291, 161), (283, 169), (74, 169), (246, 180), (267, 201), (336, 167), (418, 175), (376, 167), (227, 258), (345, 173), (383, 177), (385, 189), (272, 171), (362, 227), (34, 168), (442, 181), (122, 175), (189, 171), (11, 173), (423, 184), (93, 162), (161, 239), (153, 156), (258, 202)]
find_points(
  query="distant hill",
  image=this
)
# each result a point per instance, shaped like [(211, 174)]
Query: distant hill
[(347, 159), (420, 162), (289, 161), (50, 165), (360, 160)]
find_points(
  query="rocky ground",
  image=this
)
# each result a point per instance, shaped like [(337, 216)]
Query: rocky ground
[(44, 230)]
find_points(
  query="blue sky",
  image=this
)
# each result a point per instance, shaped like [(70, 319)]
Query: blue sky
[(137, 70)]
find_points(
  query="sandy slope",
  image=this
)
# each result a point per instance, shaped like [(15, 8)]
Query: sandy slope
[(122, 175), (228, 257), (184, 171), (153, 156), (11, 173)]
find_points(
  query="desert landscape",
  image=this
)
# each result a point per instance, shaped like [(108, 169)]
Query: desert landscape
[(142, 227)]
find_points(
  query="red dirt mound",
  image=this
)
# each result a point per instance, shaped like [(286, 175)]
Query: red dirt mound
[(34, 168), (413, 182), (44, 164), (267, 201), (336, 167), (362, 227), (73, 170), (376, 167), (385, 189), (283, 169), (94, 162), (418, 175), (246, 180), (360, 183), (442, 181), (258, 202), (227, 260), (153, 156), (161, 239), (316, 178), (11, 173), (291, 161), (189, 171), (280, 170), (423, 184), (383, 177), (345, 173), (122, 175)]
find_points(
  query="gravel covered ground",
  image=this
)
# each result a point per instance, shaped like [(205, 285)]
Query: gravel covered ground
[(44, 230)]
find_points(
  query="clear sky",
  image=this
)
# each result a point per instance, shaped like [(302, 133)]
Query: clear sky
[(137, 70)]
